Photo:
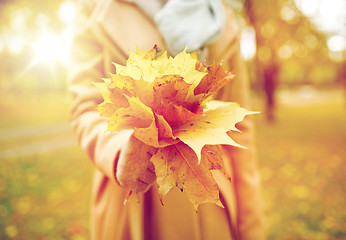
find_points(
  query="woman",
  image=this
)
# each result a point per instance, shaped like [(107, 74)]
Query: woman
[(107, 31)]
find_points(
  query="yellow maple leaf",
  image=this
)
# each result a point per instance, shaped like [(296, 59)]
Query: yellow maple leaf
[(212, 126), (185, 65)]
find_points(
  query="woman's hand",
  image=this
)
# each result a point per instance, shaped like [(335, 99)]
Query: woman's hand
[(134, 169)]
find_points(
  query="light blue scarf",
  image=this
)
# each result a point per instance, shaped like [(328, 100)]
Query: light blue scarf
[(186, 23)]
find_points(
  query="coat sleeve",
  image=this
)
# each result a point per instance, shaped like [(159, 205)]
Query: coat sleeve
[(246, 178), (87, 66)]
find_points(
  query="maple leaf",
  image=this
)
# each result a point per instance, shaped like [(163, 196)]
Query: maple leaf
[(166, 102), (212, 126), (185, 65), (113, 99), (172, 88), (138, 117), (216, 78), (176, 165)]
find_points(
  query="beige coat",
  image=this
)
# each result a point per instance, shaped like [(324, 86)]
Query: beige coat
[(107, 39)]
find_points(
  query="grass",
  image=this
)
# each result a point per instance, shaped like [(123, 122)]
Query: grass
[(302, 161), (43, 195), (302, 157), (29, 110)]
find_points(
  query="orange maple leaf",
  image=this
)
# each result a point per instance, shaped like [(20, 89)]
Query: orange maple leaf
[(177, 165)]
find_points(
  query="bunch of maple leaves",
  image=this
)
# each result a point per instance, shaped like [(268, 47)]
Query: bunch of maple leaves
[(167, 103)]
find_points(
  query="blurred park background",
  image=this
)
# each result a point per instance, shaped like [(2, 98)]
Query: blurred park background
[(295, 51)]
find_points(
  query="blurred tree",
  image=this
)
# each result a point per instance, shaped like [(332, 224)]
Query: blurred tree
[(342, 79), (287, 45)]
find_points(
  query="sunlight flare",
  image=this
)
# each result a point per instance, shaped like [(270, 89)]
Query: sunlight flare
[(67, 12), (48, 47)]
